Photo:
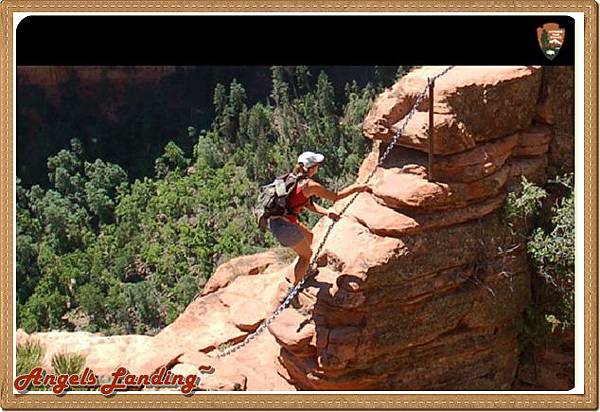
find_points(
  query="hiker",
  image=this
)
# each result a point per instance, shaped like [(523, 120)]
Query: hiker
[(287, 229)]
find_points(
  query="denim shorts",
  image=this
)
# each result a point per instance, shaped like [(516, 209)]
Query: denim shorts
[(286, 232)]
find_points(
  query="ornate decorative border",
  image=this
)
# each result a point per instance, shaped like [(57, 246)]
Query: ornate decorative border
[(589, 400)]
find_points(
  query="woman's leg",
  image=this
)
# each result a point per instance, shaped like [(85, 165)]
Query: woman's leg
[(304, 254)]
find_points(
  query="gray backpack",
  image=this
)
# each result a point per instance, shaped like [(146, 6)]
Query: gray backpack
[(272, 198)]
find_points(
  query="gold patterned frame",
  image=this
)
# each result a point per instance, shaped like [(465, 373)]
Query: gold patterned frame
[(341, 400)]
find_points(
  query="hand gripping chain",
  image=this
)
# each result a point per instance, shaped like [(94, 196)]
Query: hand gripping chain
[(299, 285)]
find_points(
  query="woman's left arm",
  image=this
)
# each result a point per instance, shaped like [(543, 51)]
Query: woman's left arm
[(321, 210), (316, 208)]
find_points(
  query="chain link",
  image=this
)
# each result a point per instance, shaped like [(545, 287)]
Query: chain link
[(294, 291)]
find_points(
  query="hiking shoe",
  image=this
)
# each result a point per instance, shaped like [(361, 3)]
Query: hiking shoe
[(311, 272)]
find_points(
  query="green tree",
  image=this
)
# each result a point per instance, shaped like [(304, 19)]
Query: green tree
[(102, 181), (65, 172), (172, 160), (302, 78)]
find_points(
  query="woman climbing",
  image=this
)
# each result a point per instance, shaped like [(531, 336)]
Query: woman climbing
[(287, 229)]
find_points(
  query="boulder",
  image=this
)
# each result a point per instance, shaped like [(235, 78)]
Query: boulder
[(249, 299), (471, 105), (294, 331), (449, 135), (240, 266)]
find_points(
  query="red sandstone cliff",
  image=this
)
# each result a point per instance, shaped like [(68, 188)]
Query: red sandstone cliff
[(420, 285)]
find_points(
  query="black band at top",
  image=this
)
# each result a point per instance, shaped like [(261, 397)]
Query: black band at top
[(288, 40)]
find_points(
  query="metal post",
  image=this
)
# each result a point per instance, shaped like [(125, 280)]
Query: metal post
[(430, 168)]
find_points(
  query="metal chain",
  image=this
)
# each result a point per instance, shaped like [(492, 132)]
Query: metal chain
[(294, 291)]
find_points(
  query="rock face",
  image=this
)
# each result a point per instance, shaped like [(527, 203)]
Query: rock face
[(50, 77), (432, 297), (556, 107), (549, 367), (420, 285)]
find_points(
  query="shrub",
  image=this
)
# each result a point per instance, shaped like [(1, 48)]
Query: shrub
[(29, 356), (552, 251), (67, 363), (524, 203)]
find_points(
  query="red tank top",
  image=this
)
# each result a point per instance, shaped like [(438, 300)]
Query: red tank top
[(296, 202)]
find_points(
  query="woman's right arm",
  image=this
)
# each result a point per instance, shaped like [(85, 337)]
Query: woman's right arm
[(315, 188)]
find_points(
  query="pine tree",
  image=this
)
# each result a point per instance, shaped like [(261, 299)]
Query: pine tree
[(280, 88), (303, 78)]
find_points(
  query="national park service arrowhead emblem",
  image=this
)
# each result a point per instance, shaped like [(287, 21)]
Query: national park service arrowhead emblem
[(550, 38)]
